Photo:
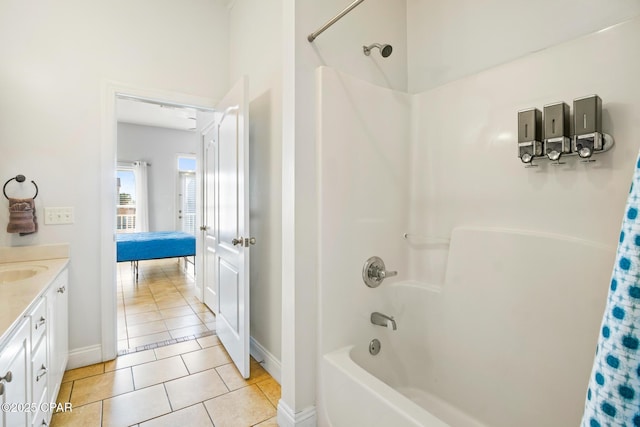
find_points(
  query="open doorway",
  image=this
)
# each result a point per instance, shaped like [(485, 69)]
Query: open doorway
[(158, 302)]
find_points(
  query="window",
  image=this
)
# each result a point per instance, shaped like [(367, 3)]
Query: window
[(126, 205), (187, 194)]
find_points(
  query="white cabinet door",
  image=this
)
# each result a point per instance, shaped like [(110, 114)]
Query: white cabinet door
[(15, 383), (58, 334)]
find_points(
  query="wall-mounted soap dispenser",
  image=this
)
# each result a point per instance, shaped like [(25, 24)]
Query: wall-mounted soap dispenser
[(556, 131), (587, 119), (529, 134)]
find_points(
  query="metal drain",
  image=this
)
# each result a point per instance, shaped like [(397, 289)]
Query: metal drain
[(374, 347)]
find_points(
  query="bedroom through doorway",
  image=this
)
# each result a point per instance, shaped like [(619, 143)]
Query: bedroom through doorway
[(157, 172)]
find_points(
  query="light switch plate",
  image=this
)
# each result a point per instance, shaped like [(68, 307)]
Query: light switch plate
[(58, 215)]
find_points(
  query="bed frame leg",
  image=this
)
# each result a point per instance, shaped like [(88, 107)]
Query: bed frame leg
[(134, 269)]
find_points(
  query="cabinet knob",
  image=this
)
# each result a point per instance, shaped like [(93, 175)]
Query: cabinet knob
[(7, 377), (61, 289), (40, 322), (43, 372)]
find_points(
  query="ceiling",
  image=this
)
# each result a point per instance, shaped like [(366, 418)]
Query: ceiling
[(147, 113)]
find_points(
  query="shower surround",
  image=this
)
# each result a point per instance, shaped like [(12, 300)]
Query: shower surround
[(504, 271)]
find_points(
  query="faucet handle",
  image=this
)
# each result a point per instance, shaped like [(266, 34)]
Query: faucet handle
[(374, 272), (383, 274)]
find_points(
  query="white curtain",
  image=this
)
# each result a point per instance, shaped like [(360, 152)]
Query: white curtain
[(142, 195)]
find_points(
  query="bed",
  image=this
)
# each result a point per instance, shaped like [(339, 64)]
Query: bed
[(136, 247)]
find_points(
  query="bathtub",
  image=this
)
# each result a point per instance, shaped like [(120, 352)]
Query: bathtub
[(356, 396)]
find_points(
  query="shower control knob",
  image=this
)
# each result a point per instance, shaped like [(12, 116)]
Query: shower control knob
[(374, 272)]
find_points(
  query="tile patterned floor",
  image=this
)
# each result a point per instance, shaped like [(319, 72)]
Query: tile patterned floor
[(161, 307), (190, 383), (172, 370)]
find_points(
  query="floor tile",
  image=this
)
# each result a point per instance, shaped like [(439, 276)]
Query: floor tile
[(207, 317), (146, 329), (123, 344), (135, 407), (130, 360), (165, 293), (244, 407), (159, 371), (271, 389), (209, 341), (271, 422), (99, 387), (139, 299), (136, 319), (176, 312), (234, 380), (195, 388), (87, 371), (195, 415), (149, 339), (64, 394), (199, 307), (204, 359), (188, 331), (82, 416), (175, 349), (140, 308), (182, 322), (171, 303)]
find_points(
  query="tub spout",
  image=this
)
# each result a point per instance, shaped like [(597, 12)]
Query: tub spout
[(383, 320)]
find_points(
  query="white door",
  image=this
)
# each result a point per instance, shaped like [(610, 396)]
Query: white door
[(226, 228), (210, 155)]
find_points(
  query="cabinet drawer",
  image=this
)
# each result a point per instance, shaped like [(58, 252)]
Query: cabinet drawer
[(40, 419), (39, 371), (38, 321)]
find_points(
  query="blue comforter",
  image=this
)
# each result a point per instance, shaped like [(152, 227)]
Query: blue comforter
[(154, 245)]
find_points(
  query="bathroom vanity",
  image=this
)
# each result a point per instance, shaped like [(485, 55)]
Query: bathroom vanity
[(33, 333)]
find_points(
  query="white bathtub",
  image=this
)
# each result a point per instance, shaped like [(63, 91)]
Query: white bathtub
[(357, 397)]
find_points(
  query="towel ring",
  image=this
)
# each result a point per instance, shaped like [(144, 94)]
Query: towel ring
[(19, 178)]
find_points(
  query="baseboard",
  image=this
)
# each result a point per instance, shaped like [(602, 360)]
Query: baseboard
[(269, 362), (84, 356), (288, 418)]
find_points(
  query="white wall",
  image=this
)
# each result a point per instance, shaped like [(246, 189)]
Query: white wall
[(449, 39), (364, 189), (160, 147), (56, 59), (467, 172), (256, 50), (339, 47)]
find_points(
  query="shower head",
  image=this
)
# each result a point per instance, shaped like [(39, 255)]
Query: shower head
[(385, 49)]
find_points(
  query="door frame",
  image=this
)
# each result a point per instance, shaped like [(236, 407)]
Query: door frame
[(111, 91)]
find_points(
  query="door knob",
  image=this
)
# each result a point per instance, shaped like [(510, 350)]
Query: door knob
[(203, 227), (244, 242)]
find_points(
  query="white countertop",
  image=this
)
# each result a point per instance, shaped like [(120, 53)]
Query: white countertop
[(18, 296)]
